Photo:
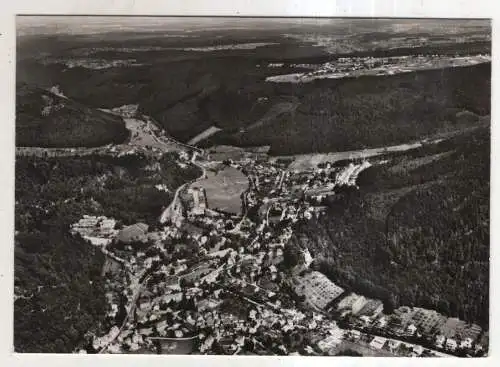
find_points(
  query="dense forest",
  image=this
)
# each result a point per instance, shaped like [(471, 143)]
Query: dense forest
[(44, 119), (57, 276), (369, 111), (416, 232), (188, 92)]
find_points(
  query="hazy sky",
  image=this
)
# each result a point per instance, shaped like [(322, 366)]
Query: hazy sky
[(32, 25)]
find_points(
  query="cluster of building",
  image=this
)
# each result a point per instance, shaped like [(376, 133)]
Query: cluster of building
[(440, 332), (359, 66), (199, 201), (325, 181), (87, 51), (127, 111), (94, 64), (389, 347), (50, 106), (98, 230), (216, 283), (244, 274), (235, 46), (348, 175), (360, 306)]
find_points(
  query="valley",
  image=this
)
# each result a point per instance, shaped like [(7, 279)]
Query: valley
[(287, 189)]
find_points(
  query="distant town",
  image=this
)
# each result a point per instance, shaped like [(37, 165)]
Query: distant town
[(346, 67)]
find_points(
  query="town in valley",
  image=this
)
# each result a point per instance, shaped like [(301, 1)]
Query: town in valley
[(196, 239)]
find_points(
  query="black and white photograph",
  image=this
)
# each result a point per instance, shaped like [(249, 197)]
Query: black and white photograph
[(252, 186)]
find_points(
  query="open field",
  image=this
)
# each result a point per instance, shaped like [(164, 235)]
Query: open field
[(410, 164), (203, 135), (224, 188), (310, 161), (143, 134), (222, 152), (275, 111)]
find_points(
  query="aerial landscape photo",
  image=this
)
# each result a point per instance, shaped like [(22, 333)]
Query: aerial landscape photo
[(252, 186)]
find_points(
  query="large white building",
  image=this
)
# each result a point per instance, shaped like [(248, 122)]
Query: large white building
[(352, 303), (199, 200)]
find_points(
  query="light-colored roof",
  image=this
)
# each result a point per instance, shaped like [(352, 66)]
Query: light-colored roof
[(378, 342)]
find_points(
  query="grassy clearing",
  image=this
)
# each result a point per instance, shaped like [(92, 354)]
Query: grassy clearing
[(224, 189)]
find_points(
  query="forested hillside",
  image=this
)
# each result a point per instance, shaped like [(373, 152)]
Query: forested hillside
[(44, 119), (188, 92), (350, 114), (57, 276), (417, 230)]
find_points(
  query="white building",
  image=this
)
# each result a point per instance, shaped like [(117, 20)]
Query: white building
[(353, 303), (451, 344), (466, 343), (440, 339), (378, 342)]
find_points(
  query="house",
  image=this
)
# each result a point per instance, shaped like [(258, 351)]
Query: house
[(418, 349), (194, 231), (412, 329), (466, 343), (175, 345), (440, 339), (382, 322), (329, 342), (197, 273), (172, 281), (353, 303), (483, 342), (211, 277), (451, 344), (396, 326), (364, 320), (455, 327), (427, 320), (404, 314), (393, 344), (176, 297), (378, 342), (145, 305), (355, 334), (98, 230)]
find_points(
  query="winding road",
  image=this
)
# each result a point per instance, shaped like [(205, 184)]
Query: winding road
[(168, 212), (133, 305)]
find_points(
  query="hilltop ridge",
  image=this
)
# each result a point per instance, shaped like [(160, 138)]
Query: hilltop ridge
[(47, 119)]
